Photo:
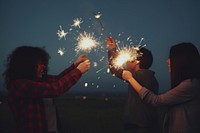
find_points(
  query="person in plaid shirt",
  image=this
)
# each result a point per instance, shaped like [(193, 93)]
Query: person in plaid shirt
[(28, 84)]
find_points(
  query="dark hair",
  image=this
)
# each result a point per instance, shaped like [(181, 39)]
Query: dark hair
[(184, 62), (146, 58), (22, 63)]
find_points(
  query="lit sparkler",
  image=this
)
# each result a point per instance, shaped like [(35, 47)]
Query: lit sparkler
[(86, 42), (61, 33), (126, 54), (77, 22)]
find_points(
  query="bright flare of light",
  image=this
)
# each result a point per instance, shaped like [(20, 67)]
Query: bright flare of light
[(95, 64), (124, 55), (98, 15), (86, 84), (61, 33), (61, 51), (86, 42), (77, 22)]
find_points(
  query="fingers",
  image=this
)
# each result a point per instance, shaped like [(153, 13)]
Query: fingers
[(110, 40), (84, 56), (84, 66), (110, 43)]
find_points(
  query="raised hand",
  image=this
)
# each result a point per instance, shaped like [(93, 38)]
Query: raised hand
[(80, 59), (110, 43), (126, 75), (84, 66)]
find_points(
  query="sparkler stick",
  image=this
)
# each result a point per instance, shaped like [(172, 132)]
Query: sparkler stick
[(98, 16)]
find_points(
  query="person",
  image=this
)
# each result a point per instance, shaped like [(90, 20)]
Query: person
[(139, 117), (28, 84), (183, 99)]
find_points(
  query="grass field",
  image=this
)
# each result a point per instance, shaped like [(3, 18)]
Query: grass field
[(78, 115)]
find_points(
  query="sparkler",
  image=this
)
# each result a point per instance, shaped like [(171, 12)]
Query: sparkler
[(126, 54), (86, 42), (61, 33), (77, 22)]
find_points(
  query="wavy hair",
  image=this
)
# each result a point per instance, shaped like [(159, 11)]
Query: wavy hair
[(22, 63)]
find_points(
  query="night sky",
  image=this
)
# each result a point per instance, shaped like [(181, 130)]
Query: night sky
[(162, 23)]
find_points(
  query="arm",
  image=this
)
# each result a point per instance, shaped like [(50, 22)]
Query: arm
[(126, 75), (53, 78), (29, 88), (112, 53), (180, 94)]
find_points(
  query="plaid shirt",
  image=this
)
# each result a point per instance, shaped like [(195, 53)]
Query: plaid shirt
[(26, 99)]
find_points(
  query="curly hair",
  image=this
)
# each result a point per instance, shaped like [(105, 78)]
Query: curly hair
[(22, 63)]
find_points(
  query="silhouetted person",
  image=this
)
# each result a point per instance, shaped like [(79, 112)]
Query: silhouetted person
[(28, 84), (183, 99)]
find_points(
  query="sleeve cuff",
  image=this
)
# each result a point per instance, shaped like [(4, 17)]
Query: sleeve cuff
[(143, 92)]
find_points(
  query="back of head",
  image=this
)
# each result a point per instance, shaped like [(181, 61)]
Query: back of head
[(185, 63), (22, 63), (146, 59)]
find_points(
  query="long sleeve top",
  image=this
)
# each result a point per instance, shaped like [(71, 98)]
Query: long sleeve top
[(26, 99), (183, 115)]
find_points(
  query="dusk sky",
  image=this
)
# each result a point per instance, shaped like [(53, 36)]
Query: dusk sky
[(162, 23)]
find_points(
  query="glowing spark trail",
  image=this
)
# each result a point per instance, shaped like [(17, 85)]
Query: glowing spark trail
[(124, 55), (61, 33), (141, 40), (86, 42), (100, 69), (77, 22)]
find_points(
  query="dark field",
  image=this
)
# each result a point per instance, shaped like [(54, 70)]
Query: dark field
[(78, 115)]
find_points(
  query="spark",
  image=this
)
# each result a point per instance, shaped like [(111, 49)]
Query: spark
[(61, 51), (77, 22), (86, 84), (102, 59), (141, 40), (129, 38), (61, 33), (108, 70), (86, 42), (100, 69), (98, 15), (126, 54), (95, 64)]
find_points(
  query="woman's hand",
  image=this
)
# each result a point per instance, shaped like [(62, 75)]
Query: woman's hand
[(110, 43), (84, 66), (127, 75), (80, 59)]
